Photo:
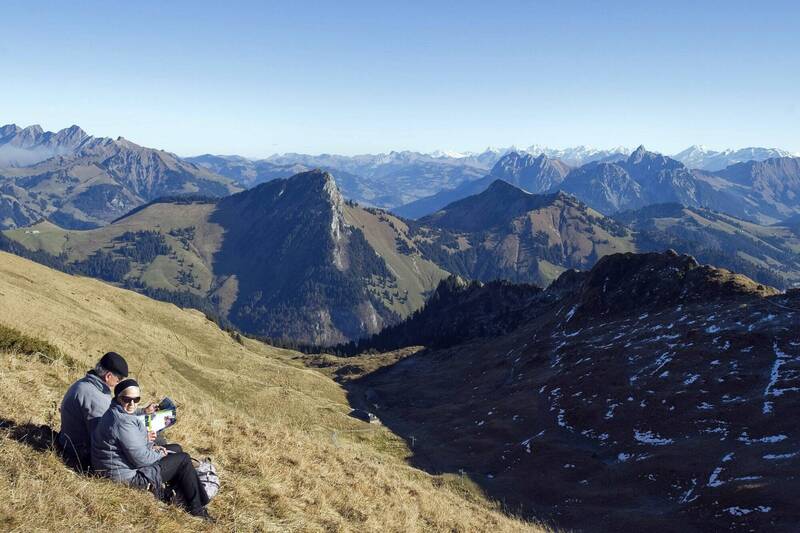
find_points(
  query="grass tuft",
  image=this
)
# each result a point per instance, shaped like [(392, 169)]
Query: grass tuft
[(12, 340)]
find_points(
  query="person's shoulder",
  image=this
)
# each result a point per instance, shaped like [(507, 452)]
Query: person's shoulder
[(85, 387), (77, 386), (118, 420), (127, 419)]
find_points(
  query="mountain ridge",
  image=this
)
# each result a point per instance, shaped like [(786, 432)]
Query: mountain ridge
[(601, 388), (80, 181)]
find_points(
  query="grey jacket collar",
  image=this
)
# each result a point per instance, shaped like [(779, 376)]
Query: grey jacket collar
[(119, 410), (95, 380)]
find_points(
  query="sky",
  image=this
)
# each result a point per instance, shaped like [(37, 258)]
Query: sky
[(256, 78)]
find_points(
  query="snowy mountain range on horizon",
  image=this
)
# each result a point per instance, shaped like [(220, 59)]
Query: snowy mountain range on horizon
[(25, 146), (695, 156)]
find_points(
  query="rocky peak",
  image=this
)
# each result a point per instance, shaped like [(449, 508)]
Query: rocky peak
[(638, 155), (9, 130), (74, 132), (503, 187), (27, 137), (451, 285), (641, 161), (512, 164), (536, 174), (311, 195), (652, 281), (34, 129)]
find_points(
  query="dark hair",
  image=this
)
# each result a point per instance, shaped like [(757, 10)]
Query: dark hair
[(124, 384)]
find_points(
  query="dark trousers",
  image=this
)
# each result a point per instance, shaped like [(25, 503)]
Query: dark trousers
[(178, 472), (80, 461)]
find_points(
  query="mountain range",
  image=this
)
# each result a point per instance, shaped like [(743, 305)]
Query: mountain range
[(702, 158), (287, 259), (762, 191), (292, 260), (536, 174), (507, 233), (80, 181), (526, 335), (83, 181), (381, 180)]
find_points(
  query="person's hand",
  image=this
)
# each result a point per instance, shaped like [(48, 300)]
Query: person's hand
[(161, 450), (151, 436), (150, 408)]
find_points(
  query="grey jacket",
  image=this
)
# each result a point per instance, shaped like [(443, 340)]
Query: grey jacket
[(83, 405), (120, 449)]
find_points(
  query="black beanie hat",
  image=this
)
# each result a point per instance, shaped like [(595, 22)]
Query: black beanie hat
[(115, 363), (124, 384)]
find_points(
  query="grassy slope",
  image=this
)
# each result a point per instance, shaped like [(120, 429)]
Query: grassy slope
[(414, 274), (163, 272), (772, 240), (290, 457), (562, 226)]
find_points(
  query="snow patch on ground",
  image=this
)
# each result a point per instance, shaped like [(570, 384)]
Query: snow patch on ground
[(713, 479), (648, 437), (686, 498), (741, 511), (763, 440), (781, 358), (779, 456)]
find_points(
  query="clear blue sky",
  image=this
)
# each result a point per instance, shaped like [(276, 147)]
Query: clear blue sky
[(254, 78)]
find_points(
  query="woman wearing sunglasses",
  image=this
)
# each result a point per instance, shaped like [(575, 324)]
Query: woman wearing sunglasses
[(122, 452)]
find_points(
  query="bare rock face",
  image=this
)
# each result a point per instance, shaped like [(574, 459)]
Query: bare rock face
[(536, 175), (302, 271), (643, 178)]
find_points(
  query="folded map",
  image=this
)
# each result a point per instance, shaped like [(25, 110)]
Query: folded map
[(165, 416)]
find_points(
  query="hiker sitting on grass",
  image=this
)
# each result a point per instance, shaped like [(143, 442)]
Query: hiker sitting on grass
[(83, 405), (122, 451)]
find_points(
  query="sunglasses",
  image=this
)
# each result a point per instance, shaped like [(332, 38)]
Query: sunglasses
[(128, 399)]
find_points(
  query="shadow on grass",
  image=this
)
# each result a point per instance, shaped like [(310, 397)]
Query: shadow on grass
[(41, 438), (422, 402)]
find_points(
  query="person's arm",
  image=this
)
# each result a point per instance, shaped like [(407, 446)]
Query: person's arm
[(148, 409), (133, 443)]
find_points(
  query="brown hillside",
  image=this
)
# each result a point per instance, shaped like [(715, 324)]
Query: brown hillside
[(290, 457)]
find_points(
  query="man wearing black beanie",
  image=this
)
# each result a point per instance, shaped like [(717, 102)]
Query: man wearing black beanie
[(83, 405)]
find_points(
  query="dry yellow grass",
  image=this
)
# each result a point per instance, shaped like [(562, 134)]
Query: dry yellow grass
[(289, 456)]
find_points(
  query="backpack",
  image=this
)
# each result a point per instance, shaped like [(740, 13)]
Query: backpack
[(209, 479)]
